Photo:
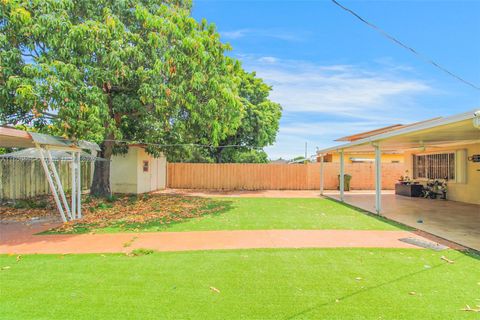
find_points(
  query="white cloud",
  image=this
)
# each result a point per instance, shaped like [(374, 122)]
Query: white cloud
[(292, 136), (334, 89), (278, 34), (324, 102), (268, 60)]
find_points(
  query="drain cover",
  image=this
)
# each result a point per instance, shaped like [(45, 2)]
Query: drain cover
[(424, 244)]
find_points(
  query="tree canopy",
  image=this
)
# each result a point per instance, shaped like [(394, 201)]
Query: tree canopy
[(127, 70)]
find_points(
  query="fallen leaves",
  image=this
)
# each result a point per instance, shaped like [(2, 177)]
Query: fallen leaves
[(129, 242), (126, 212), (468, 308), (215, 289), (447, 260)]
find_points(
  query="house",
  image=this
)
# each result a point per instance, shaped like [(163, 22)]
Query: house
[(137, 171), (279, 161), (441, 148)]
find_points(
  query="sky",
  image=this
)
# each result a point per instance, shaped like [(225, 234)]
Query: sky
[(334, 76)]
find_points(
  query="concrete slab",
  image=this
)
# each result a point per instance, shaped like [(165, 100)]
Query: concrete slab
[(455, 221)]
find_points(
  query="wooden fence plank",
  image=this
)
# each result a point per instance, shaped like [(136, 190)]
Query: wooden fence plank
[(236, 176), (25, 179)]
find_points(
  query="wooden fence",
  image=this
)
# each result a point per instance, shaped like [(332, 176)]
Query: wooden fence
[(277, 176), (25, 179)]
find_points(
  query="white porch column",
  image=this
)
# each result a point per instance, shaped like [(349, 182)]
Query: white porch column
[(342, 175), (74, 185), (79, 185), (378, 179), (322, 173)]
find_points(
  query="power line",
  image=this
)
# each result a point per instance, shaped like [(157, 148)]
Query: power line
[(182, 144), (403, 45)]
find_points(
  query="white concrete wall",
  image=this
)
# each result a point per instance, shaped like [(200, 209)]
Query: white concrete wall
[(128, 176), (123, 172)]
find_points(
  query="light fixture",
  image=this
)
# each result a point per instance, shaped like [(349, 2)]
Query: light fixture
[(476, 119)]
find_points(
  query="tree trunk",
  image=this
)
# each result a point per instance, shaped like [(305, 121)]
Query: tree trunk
[(218, 155), (101, 176)]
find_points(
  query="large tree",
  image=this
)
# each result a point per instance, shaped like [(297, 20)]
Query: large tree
[(110, 70), (258, 128), (259, 124)]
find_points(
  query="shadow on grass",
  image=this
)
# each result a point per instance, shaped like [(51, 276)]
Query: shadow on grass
[(373, 215), (373, 287)]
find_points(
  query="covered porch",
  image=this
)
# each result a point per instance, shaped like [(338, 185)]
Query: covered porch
[(452, 220), (440, 149)]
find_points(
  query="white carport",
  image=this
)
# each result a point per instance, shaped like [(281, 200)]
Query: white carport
[(461, 129), (44, 145)]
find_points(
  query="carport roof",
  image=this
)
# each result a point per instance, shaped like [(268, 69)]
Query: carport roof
[(442, 132), (14, 138)]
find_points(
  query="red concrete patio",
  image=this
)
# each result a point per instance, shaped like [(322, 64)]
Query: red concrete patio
[(20, 238)]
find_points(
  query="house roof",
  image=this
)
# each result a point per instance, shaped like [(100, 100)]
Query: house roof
[(437, 132), (14, 138), (370, 133), (365, 134)]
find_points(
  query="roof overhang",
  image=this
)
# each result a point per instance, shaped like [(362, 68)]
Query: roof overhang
[(14, 138), (444, 132)]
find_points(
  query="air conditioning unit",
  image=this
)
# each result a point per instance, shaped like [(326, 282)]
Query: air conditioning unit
[(476, 119)]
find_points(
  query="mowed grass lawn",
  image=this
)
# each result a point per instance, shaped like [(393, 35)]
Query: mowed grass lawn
[(180, 213), (278, 213), (242, 284)]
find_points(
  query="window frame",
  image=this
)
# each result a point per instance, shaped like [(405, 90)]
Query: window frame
[(428, 169)]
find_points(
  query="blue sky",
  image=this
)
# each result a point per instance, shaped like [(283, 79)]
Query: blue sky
[(335, 76)]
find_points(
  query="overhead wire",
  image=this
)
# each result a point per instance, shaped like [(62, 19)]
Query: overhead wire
[(403, 45)]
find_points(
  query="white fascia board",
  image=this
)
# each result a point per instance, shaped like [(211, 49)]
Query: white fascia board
[(402, 131)]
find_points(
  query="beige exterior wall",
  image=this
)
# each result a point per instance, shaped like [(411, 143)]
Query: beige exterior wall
[(128, 176), (386, 158), (467, 190)]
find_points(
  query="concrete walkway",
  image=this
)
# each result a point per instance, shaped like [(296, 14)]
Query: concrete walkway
[(19, 238)]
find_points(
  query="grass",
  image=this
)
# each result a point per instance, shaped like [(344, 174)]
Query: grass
[(203, 214), (277, 213), (242, 284)]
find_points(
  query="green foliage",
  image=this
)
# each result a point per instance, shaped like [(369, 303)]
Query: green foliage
[(30, 204), (101, 70), (140, 252)]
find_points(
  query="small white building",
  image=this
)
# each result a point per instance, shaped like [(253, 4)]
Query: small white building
[(137, 171)]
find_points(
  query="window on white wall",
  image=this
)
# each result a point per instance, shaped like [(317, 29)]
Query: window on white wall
[(434, 166)]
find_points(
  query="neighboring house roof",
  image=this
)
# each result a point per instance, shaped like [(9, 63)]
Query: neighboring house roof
[(279, 161), (432, 132)]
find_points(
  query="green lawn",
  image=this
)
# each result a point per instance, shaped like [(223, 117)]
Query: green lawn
[(268, 213), (252, 284), (230, 214)]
